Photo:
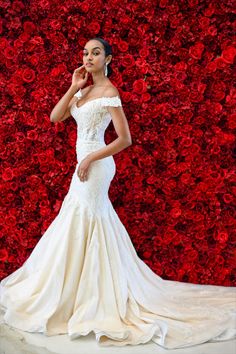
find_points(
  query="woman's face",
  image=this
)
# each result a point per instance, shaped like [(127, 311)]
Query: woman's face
[(94, 54)]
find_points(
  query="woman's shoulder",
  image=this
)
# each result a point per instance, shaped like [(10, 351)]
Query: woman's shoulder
[(111, 91)]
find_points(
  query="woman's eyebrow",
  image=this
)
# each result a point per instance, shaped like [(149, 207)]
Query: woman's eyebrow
[(92, 48)]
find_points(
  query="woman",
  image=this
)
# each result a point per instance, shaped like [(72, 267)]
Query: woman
[(84, 274), (96, 56)]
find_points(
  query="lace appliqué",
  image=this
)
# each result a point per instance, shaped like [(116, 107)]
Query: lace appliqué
[(111, 101), (92, 117)]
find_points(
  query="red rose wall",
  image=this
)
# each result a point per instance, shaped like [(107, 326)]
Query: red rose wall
[(174, 66)]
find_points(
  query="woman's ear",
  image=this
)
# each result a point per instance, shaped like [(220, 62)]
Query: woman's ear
[(109, 59)]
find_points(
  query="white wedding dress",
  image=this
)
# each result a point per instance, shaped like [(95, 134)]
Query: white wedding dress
[(84, 273)]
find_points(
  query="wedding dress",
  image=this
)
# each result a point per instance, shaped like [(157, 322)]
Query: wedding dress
[(84, 273)]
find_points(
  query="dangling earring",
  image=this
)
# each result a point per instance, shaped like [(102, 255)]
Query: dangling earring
[(106, 71)]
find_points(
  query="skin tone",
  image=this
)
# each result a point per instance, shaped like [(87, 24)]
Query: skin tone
[(94, 53)]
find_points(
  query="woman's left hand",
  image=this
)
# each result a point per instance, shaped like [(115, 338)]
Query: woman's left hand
[(83, 169)]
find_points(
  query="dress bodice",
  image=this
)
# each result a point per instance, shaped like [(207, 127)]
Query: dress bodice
[(92, 117)]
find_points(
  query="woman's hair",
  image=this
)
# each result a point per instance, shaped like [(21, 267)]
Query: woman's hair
[(108, 51)]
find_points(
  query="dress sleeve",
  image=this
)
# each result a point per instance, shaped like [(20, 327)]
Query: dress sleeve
[(111, 101), (78, 94)]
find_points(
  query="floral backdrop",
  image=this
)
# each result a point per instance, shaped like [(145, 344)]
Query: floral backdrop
[(174, 188)]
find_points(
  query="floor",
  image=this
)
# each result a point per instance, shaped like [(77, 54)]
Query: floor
[(14, 341)]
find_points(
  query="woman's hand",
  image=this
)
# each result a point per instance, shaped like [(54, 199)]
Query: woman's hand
[(80, 76), (83, 169)]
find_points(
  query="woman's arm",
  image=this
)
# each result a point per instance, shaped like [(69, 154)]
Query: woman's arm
[(62, 109)]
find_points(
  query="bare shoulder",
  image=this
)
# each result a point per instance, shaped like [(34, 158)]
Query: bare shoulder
[(111, 91)]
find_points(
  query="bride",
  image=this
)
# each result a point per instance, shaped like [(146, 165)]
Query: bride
[(96, 55), (84, 274)]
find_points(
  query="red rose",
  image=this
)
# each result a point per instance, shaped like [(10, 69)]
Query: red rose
[(228, 54), (28, 75), (196, 50), (3, 255), (7, 174)]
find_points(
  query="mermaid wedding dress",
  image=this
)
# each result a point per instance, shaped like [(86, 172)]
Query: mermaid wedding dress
[(84, 274)]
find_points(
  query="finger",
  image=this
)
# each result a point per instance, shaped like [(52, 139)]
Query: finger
[(81, 175), (78, 69)]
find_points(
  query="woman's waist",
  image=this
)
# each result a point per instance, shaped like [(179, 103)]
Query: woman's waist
[(86, 144), (89, 142)]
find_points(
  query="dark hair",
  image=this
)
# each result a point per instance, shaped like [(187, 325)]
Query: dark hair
[(108, 51)]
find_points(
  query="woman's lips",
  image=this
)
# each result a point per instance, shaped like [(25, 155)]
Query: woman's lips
[(89, 64)]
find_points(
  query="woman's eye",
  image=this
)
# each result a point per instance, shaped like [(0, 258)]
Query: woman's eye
[(93, 53)]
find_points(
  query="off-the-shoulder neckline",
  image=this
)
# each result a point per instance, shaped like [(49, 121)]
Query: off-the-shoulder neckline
[(94, 99)]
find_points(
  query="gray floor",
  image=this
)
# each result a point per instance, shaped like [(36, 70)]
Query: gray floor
[(13, 341)]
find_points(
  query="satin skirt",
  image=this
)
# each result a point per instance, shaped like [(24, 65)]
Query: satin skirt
[(84, 275)]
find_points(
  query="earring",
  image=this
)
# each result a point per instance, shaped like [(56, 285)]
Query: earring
[(106, 71)]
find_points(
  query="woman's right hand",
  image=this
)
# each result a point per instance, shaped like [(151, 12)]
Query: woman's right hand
[(80, 77)]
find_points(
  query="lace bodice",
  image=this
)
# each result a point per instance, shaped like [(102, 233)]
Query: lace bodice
[(92, 117)]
